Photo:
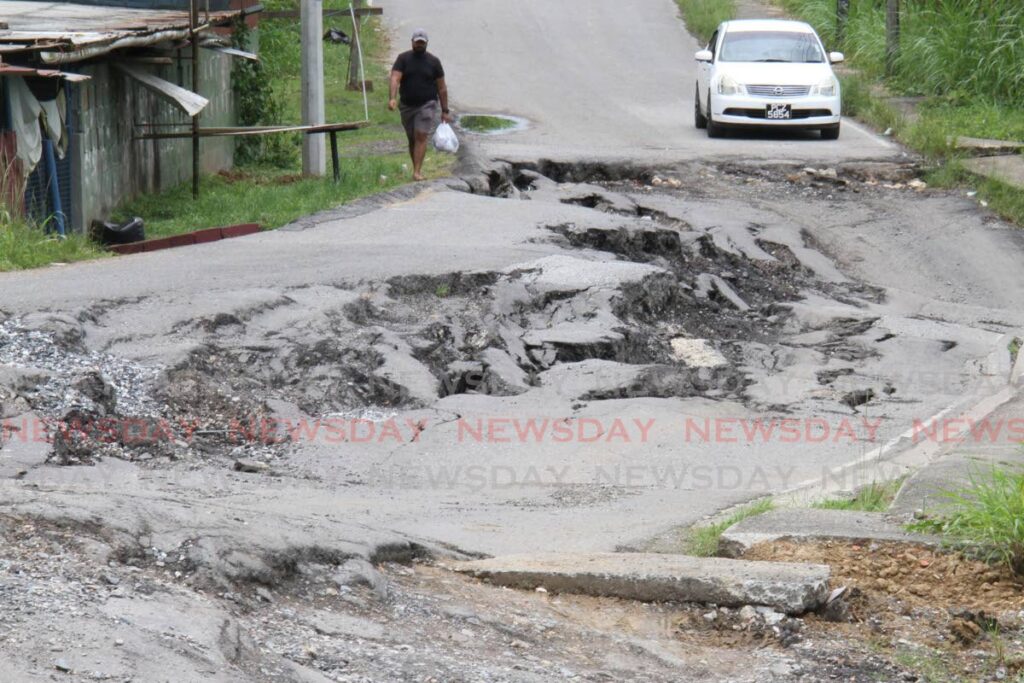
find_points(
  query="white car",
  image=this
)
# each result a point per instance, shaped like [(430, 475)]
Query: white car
[(767, 73)]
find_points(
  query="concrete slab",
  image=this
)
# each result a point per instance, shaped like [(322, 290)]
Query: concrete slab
[(810, 524), (983, 147), (787, 587), (1008, 169)]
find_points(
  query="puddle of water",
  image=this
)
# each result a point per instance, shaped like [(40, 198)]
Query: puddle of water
[(491, 124)]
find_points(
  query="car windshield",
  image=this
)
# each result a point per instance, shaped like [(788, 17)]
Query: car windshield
[(770, 46)]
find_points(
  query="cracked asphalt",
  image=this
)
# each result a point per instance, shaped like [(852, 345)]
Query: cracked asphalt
[(607, 327)]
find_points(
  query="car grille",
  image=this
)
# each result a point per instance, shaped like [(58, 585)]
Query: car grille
[(779, 90), (760, 113)]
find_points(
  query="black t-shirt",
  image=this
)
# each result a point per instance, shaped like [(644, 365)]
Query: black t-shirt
[(420, 72)]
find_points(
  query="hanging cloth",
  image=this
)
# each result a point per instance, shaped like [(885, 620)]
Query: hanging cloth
[(53, 123), (25, 111)]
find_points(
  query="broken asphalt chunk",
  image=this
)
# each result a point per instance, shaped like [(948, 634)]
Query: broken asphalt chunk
[(650, 577)]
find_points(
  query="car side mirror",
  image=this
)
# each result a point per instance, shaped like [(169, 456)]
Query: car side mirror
[(836, 57), (704, 56)]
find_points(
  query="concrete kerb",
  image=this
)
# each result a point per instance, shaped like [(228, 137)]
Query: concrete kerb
[(901, 455), (792, 588)]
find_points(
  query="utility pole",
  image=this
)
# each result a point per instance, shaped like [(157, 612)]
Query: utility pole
[(193, 20), (314, 155), (892, 35)]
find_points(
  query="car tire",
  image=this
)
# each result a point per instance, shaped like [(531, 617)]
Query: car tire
[(699, 120), (714, 130), (830, 133)]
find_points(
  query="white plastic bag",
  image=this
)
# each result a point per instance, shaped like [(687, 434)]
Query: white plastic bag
[(445, 139)]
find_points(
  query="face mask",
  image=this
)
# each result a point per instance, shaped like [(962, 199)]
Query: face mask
[(419, 47)]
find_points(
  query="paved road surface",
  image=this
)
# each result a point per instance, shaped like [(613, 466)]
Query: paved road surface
[(596, 78)]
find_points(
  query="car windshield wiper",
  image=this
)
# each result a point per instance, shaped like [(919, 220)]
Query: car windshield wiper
[(786, 61)]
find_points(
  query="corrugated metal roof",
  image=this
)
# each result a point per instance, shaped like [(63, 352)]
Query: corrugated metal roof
[(62, 26), (11, 70)]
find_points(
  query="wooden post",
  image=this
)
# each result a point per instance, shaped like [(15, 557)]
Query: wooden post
[(334, 156), (842, 15), (353, 54), (193, 21), (314, 157), (892, 35)]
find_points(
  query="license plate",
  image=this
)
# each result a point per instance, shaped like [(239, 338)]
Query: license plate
[(778, 111)]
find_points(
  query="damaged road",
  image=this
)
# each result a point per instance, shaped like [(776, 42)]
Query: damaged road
[(607, 369), (242, 461)]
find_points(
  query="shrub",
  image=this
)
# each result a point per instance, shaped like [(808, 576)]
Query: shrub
[(987, 516)]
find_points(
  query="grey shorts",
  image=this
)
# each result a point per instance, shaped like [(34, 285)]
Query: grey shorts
[(421, 119)]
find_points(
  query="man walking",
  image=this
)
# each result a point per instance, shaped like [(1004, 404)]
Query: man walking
[(419, 79)]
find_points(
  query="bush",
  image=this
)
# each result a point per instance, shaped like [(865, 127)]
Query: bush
[(257, 106)]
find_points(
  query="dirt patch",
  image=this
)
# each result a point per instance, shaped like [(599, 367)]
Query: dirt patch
[(930, 610)]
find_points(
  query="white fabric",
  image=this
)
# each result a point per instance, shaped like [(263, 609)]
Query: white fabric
[(25, 111)]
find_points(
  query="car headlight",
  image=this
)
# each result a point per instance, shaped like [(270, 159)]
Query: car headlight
[(728, 86), (828, 88)]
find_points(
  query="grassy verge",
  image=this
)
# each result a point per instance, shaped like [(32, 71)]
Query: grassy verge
[(23, 245), (987, 516), (703, 541), (962, 58), (876, 497), (269, 197), (702, 17), (275, 193)]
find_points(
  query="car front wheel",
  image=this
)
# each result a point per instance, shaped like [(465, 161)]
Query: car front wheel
[(699, 120), (830, 133)]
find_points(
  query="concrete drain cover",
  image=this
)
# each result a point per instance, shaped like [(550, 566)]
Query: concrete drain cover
[(491, 124)]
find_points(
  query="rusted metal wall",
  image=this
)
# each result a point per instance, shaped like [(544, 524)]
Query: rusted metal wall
[(111, 167)]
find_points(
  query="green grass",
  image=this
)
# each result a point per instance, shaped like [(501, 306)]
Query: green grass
[(703, 541), (23, 245), (271, 198), (955, 48), (702, 17), (987, 516), (485, 124), (875, 497)]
